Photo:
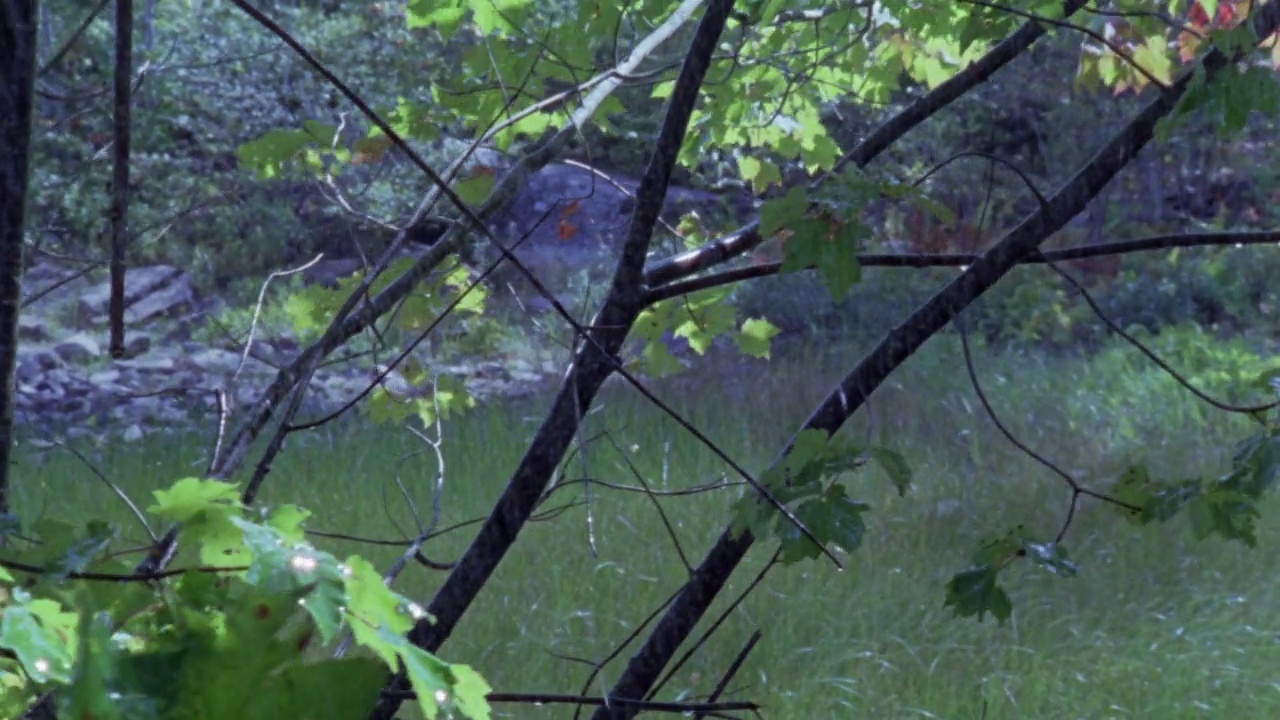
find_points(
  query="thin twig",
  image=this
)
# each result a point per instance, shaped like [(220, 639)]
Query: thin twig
[(731, 671), (120, 493)]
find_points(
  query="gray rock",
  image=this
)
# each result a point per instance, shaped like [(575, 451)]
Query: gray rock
[(138, 283), (105, 377), (34, 362), (169, 301), (57, 392), (32, 329), (48, 287), (79, 349), (215, 360), (136, 343), (147, 364)]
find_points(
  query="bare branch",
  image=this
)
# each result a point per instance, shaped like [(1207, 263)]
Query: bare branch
[(733, 669), (73, 38), (120, 493), (1114, 327)]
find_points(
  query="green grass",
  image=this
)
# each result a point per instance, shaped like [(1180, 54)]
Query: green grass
[(1156, 625)]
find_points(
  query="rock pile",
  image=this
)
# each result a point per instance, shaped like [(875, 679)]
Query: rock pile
[(68, 385)]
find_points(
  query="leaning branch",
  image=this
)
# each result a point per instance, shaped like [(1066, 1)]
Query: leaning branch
[(963, 260), (594, 360)]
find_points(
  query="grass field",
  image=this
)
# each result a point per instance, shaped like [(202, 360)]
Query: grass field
[(1156, 625)]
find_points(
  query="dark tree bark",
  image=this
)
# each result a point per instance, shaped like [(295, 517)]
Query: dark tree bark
[(18, 24), (120, 171)]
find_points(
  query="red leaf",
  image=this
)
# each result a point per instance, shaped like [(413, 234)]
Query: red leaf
[(1197, 16), (566, 230)]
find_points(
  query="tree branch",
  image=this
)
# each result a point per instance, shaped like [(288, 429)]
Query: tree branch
[(123, 140), (18, 20), (1020, 242), (889, 132), (961, 260), (594, 360)]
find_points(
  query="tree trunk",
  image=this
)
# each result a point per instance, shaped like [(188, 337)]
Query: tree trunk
[(18, 23), (119, 215)]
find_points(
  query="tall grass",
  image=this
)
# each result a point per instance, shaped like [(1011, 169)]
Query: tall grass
[(1156, 625)]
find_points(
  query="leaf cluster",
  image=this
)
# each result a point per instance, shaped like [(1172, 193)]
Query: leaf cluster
[(241, 636)]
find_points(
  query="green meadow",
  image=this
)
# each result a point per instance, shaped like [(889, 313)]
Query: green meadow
[(1155, 625)]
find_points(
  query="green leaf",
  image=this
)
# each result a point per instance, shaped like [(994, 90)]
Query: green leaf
[(444, 16), (268, 155), (428, 675), (804, 461), (834, 519), (287, 520), (449, 395), (831, 247), (205, 507), (372, 608), (760, 173), (754, 337), (332, 689), (278, 565), (657, 360), (974, 592), (894, 465), (475, 189), (703, 323), (385, 408), (41, 635), (470, 692), (1230, 515), (1155, 502), (441, 688), (783, 212), (1255, 465), (812, 459), (191, 496)]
